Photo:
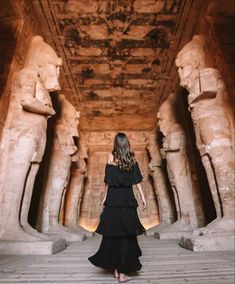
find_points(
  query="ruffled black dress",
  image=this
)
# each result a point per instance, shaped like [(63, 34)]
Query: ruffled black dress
[(119, 223)]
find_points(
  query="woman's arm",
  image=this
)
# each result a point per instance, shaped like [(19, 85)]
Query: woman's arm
[(105, 193), (139, 187), (109, 161)]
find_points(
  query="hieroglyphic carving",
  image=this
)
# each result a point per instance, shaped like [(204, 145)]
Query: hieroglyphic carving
[(106, 137)]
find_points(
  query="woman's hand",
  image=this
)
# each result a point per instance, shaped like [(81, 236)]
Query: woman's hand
[(139, 187), (103, 201), (105, 194)]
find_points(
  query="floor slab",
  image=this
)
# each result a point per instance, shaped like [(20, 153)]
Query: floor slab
[(164, 262)]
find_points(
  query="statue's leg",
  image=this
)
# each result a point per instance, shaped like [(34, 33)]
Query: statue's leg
[(50, 200), (213, 185), (13, 190), (177, 203), (26, 203), (225, 174), (55, 227), (167, 206), (61, 214), (182, 222), (172, 175), (56, 190), (180, 189), (223, 164), (55, 205), (161, 208), (162, 218), (185, 204), (72, 201)]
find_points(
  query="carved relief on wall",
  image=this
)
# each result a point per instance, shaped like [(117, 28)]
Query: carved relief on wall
[(99, 145), (94, 190)]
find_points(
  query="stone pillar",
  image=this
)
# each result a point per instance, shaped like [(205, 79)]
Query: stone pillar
[(161, 187), (23, 144), (63, 151), (213, 131), (185, 188)]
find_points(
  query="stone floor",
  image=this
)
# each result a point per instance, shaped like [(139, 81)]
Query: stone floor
[(164, 262)]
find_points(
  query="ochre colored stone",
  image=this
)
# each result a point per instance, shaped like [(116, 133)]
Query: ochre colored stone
[(184, 186), (62, 153), (212, 126), (24, 138)]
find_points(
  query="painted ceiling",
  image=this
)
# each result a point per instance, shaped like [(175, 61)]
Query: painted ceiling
[(117, 57)]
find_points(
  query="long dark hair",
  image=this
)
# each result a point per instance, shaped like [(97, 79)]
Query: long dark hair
[(123, 155)]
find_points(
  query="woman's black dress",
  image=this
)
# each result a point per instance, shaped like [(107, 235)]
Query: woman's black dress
[(119, 223)]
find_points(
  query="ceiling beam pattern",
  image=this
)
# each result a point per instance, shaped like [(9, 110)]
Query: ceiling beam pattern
[(117, 55)]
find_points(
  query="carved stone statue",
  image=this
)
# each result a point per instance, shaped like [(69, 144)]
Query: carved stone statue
[(213, 129), (166, 208), (185, 189), (76, 187), (24, 138), (63, 151)]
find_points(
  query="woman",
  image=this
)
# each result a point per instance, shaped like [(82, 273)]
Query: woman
[(119, 223)]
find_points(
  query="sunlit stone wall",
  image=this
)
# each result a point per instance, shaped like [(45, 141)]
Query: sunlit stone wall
[(99, 145)]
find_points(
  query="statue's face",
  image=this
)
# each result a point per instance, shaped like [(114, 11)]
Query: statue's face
[(163, 122), (186, 68), (73, 122), (49, 74)]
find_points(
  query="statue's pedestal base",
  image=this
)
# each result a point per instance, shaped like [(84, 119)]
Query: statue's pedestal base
[(89, 234), (175, 231), (81, 231), (209, 242), (67, 236), (32, 248), (171, 235), (157, 228)]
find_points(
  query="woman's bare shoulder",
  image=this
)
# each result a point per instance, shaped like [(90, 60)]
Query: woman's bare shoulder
[(110, 159)]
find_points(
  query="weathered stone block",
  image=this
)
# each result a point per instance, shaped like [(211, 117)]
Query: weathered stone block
[(213, 242), (32, 248)]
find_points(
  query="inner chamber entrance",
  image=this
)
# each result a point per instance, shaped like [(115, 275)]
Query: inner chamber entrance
[(98, 148)]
